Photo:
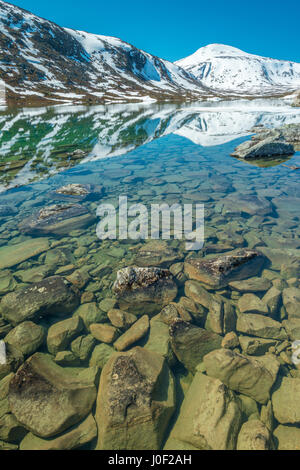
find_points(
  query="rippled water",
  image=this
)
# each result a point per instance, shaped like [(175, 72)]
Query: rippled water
[(160, 154)]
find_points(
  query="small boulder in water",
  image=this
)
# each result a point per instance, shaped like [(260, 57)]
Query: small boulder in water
[(58, 219)]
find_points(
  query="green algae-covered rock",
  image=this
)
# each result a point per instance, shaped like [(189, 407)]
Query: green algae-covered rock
[(100, 355), (90, 313), (47, 399), (83, 346), (209, 419), (61, 334), (135, 401), (27, 337)]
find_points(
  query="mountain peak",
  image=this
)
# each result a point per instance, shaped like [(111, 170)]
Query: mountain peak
[(210, 51)]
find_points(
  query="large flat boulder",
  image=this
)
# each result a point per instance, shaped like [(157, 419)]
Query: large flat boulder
[(218, 271), (243, 374), (209, 419), (48, 399), (52, 296), (135, 401)]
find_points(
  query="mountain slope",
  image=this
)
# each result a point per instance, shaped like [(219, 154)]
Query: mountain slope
[(40, 61), (230, 70)]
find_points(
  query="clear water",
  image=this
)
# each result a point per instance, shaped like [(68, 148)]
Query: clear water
[(151, 154)]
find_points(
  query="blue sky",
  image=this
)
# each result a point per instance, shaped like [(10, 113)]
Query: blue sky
[(173, 29)]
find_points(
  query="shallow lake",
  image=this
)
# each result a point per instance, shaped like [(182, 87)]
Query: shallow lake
[(151, 154)]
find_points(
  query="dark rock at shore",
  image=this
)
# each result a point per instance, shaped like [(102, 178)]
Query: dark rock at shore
[(269, 143)]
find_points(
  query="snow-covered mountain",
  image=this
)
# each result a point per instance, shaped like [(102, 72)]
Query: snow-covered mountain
[(40, 61), (227, 69)]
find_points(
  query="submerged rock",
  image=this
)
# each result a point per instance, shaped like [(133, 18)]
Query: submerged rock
[(237, 203), (144, 289), (61, 334), (58, 219), (135, 401), (254, 284), (76, 437), (261, 326), (286, 401), (78, 192), (10, 255), (27, 337), (243, 374), (250, 303), (52, 296), (137, 331), (219, 271), (287, 437), (191, 343), (209, 419), (47, 399), (156, 253), (254, 435)]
